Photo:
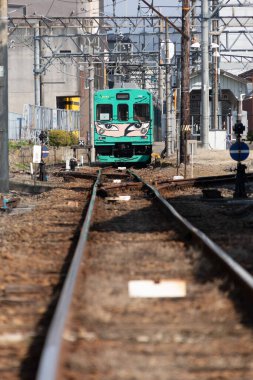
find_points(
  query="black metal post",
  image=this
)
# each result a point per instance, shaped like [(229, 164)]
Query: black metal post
[(42, 165), (42, 174), (240, 191)]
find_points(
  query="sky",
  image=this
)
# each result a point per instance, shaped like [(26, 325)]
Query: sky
[(129, 7)]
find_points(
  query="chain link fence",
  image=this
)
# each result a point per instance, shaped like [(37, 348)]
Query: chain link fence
[(35, 119)]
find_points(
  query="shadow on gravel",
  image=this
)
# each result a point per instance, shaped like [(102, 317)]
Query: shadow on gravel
[(135, 221), (207, 271), (29, 366)]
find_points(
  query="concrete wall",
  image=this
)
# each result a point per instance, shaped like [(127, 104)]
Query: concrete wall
[(61, 77), (55, 8), (20, 71), (24, 155)]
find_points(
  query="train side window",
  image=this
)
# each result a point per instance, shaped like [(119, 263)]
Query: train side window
[(104, 112), (122, 111), (141, 112)]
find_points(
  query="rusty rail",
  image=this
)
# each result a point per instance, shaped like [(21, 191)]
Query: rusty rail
[(48, 365), (206, 245)]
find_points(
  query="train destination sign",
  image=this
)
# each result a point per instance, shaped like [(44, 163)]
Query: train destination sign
[(239, 151)]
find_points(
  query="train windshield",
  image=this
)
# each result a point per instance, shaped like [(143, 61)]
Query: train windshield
[(104, 112), (122, 111), (141, 112)]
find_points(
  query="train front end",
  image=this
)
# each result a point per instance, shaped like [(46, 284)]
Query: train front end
[(123, 129)]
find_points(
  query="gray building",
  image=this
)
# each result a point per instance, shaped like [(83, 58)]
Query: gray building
[(231, 89), (48, 58)]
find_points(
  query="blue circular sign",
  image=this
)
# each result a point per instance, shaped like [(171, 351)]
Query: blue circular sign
[(239, 151), (44, 152)]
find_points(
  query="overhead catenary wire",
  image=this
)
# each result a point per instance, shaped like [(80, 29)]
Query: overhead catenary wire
[(50, 7)]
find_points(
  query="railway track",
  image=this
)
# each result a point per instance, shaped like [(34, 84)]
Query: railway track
[(38, 239), (113, 332), (225, 220), (200, 181)]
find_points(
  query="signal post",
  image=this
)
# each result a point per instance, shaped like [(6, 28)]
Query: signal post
[(239, 151)]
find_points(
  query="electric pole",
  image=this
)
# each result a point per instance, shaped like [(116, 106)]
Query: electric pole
[(185, 80), (204, 118), (114, 7), (185, 32), (168, 97), (161, 76), (37, 84), (91, 108), (215, 60), (4, 157)]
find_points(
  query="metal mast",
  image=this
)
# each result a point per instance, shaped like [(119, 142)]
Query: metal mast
[(204, 131), (215, 60), (185, 79), (37, 85), (4, 159), (91, 109), (168, 97), (185, 33), (160, 70)]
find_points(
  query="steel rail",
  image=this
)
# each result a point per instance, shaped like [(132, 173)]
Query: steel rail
[(223, 176), (207, 245), (201, 181), (48, 364)]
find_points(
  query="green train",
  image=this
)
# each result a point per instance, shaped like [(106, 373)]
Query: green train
[(123, 130)]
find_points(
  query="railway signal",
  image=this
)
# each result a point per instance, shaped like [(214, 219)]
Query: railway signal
[(239, 151)]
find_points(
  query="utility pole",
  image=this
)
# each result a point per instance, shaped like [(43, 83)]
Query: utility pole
[(215, 60), (186, 36), (178, 111), (4, 154), (143, 82), (37, 86), (194, 35), (161, 76), (168, 98), (185, 81), (114, 7), (91, 109), (204, 131)]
